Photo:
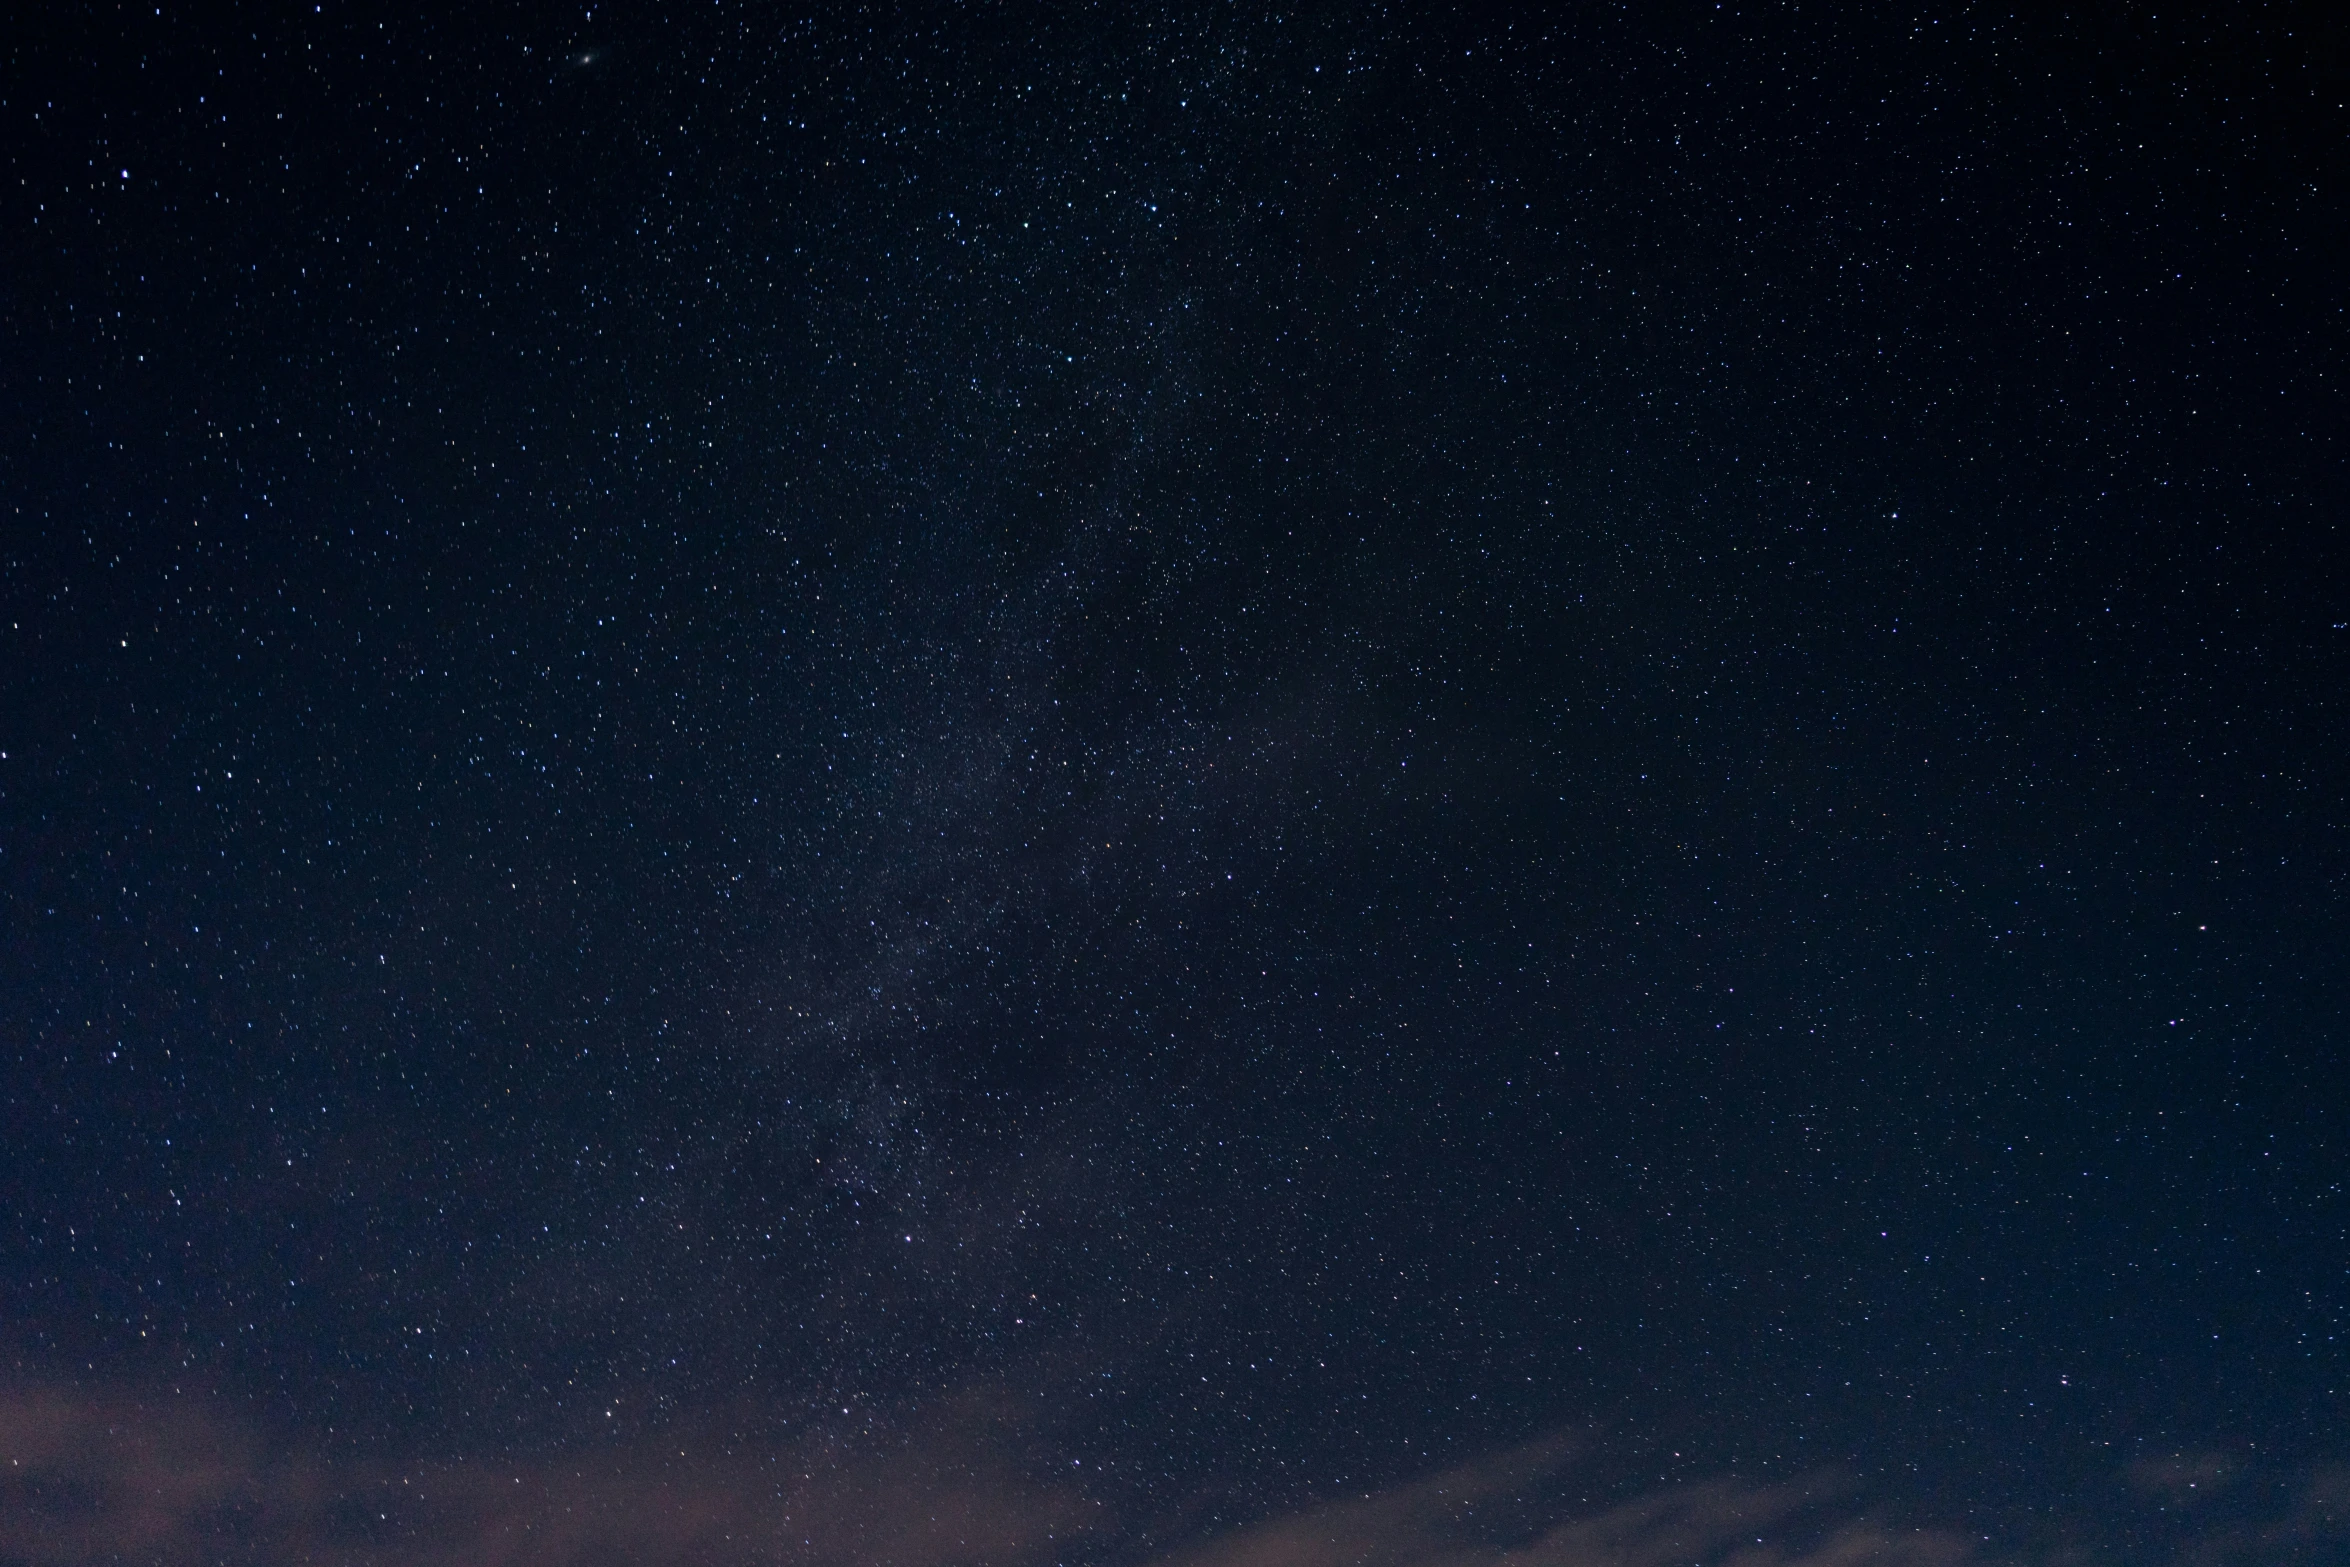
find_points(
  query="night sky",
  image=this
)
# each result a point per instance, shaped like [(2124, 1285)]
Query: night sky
[(1069, 787)]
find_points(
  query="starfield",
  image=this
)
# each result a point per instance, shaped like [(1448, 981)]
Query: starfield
[(1114, 786)]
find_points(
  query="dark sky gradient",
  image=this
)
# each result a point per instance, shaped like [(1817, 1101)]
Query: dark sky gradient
[(1036, 786)]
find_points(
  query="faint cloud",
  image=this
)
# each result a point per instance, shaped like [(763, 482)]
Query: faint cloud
[(1476, 1516), (2315, 1527), (968, 1482), (88, 1479)]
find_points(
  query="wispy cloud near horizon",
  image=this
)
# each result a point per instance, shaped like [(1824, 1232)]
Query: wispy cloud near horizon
[(1493, 1512), (113, 1477), (117, 1478)]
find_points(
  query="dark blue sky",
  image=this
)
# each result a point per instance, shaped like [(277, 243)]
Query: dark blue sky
[(1033, 786)]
